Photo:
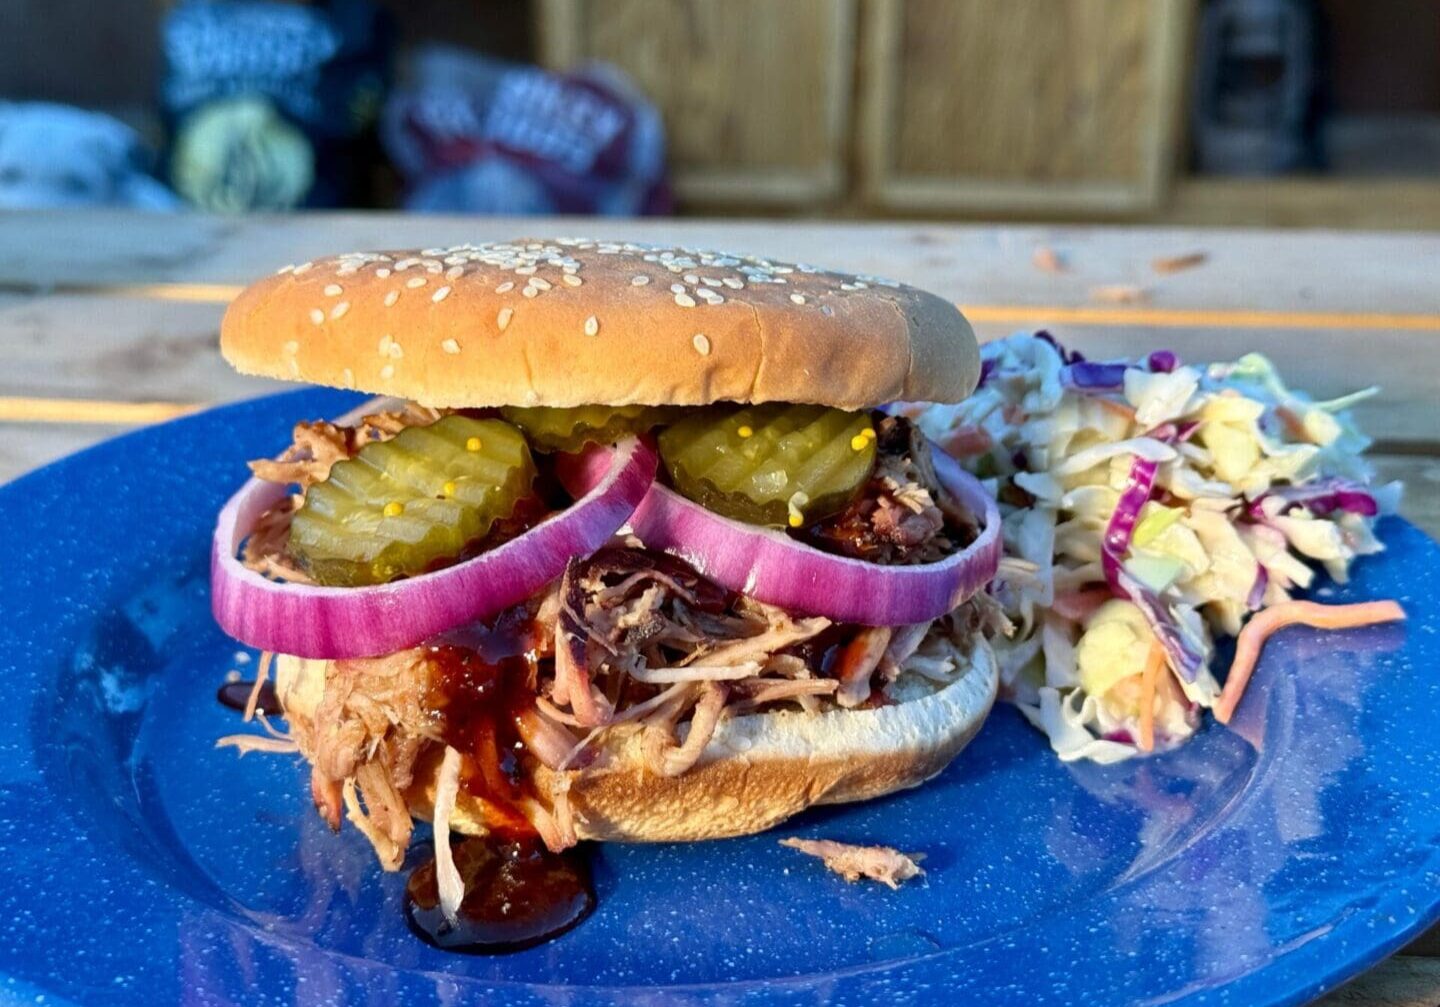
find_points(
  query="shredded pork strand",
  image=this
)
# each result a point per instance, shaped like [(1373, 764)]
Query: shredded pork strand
[(663, 755), (447, 877), (884, 864), (640, 638)]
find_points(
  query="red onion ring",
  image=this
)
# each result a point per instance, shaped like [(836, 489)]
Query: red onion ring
[(342, 622), (770, 566)]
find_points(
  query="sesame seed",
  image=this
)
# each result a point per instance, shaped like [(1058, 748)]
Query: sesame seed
[(677, 288), (454, 272), (540, 283), (571, 280), (525, 270), (691, 278), (701, 342), (339, 310), (391, 298), (450, 346), (440, 295), (505, 287), (709, 281), (415, 282), (685, 300), (797, 298), (733, 283), (396, 352), (386, 341), (387, 372), (382, 272), (531, 292), (292, 347), (317, 316), (333, 290), (349, 377), (639, 281), (503, 319), (592, 325)]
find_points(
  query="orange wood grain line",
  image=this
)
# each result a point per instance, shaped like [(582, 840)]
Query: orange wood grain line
[(36, 410), (999, 314)]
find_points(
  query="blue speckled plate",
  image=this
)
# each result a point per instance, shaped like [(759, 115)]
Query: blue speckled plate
[(1260, 865)]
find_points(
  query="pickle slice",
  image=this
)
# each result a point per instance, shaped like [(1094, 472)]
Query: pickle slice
[(551, 429), (402, 506), (775, 464)]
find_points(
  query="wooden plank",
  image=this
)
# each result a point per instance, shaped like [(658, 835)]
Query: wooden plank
[(1392, 204), (1245, 270), (970, 107), (102, 347), (117, 348), (1402, 981), (752, 116)]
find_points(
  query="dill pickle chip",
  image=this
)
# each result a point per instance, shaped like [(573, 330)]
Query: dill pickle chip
[(775, 464), (553, 429), (401, 506)]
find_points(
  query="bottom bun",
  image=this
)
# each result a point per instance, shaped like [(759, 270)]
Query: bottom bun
[(756, 771)]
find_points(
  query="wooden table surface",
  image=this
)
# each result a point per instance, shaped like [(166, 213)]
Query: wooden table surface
[(109, 320)]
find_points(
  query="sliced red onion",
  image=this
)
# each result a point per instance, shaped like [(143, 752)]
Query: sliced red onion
[(770, 566), (1322, 498), (341, 622)]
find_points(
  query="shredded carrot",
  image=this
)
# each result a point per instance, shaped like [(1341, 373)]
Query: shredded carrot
[(1294, 426), (1118, 408), (1077, 606), (967, 442), (1291, 613), (262, 675), (1149, 680)]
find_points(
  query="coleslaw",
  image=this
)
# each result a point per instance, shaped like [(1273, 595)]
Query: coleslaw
[(1148, 507)]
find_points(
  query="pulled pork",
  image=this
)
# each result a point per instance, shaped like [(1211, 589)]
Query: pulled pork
[(878, 863), (903, 515)]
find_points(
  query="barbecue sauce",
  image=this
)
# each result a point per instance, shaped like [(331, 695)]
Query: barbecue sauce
[(517, 893), (236, 695)]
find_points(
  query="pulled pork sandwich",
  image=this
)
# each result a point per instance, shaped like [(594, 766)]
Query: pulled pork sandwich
[(630, 550)]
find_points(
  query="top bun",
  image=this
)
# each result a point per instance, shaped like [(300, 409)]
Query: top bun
[(569, 322)]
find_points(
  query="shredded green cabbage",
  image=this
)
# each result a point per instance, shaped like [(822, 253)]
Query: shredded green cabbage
[(1218, 538)]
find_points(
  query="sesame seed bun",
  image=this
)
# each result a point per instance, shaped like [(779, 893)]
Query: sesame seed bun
[(756, 771), (568, 322)]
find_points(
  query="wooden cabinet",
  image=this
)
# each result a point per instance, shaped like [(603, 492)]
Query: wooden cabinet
[(756, 94), (943, 106), (1023, 105)]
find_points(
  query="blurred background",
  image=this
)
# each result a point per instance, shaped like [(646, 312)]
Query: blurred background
[(1262, 112)]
